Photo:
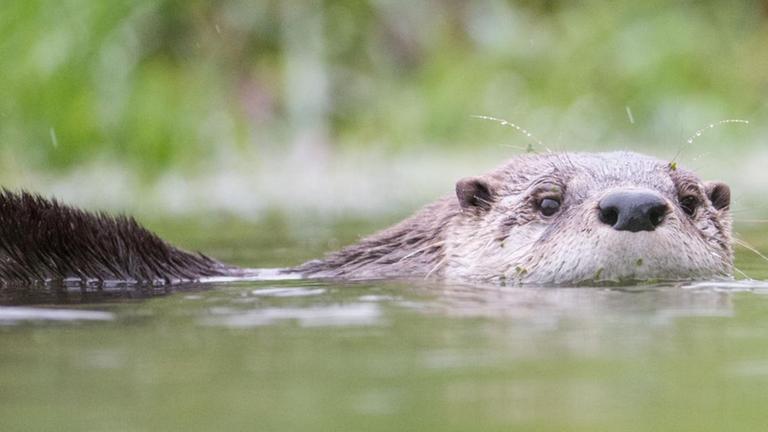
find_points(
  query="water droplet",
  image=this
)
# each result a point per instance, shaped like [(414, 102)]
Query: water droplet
[(54, 140)]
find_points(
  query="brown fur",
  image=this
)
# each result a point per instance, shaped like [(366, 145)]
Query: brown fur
[(489, 230), (409, 248), (42, 240)]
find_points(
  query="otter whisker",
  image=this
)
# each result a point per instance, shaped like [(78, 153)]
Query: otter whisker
[(739, 271), (699, 132), (439, 263), (749, 247), (712, 126), (741, 209), (525, 132), (422, 249)]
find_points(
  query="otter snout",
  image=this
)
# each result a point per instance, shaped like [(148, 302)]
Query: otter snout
[(632, 210)]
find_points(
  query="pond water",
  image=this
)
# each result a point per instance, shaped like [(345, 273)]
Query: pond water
[(388, 356)]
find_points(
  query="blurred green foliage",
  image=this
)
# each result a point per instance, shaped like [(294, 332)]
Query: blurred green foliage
[(158, 85)]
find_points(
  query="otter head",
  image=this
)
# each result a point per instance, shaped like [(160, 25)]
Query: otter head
[(580, 218)]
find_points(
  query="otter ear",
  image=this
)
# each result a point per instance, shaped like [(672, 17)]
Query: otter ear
[(719, 193), (475, 192)]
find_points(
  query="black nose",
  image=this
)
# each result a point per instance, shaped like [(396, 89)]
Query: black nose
[(633, 210)]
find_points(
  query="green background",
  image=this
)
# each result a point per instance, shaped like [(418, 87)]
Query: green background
[(363, 106)]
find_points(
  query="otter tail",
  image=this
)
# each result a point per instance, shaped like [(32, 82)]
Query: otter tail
[(42, 240)]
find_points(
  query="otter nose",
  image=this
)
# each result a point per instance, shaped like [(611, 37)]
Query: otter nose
[(633, 210)]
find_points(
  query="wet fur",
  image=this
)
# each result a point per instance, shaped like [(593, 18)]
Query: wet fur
[(489, 230), (496, 234), (410, 248), (43, 240)]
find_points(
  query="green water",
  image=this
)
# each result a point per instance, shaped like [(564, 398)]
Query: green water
[(388, 356)]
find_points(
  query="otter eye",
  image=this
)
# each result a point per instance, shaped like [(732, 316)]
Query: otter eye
[(689, 204), (549, 206)]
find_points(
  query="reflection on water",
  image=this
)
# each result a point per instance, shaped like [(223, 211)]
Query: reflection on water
[(61, 294), (325, 303), (346, 315), (537, 304), (11, 315)]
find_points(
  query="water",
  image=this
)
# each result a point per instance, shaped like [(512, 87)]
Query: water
[(309, 355)]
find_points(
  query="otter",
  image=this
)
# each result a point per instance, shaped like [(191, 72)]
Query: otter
[(555, 218)]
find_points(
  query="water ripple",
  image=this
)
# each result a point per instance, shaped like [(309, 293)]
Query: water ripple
[(13, 315), (288, 292), (357, 314)]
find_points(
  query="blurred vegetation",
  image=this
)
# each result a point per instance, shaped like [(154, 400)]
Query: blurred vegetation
[(190, 86)]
